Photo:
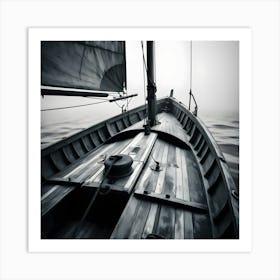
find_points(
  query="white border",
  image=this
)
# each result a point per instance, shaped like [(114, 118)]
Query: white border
[(243, 35)]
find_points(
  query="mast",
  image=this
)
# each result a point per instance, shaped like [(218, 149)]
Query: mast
[(151, 84)]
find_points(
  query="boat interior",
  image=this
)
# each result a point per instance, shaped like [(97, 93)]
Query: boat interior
[(175, 185)]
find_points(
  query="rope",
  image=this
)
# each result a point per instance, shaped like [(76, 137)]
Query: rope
[(120, 106), (124, 107), (82, 59), (155, 66), (78, 227), (145, 84), (75, 106)]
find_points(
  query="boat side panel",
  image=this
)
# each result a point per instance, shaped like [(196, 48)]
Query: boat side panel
[(216, 176)]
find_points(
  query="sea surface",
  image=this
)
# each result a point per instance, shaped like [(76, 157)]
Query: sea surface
[(57, 125), (225, 130)]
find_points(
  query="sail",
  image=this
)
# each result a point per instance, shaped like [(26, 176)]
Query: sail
[(87, 65)]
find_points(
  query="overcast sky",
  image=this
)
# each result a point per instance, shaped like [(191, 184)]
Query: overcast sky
[(215, 78), (215, 72)]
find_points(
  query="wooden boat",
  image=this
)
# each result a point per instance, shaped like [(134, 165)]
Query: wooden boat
[(139, 178)]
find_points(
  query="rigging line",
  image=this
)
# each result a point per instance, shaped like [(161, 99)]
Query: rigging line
[(125, 105), (129, 101), (190, 65), (144, 74), (122, 107), (145, 64), (144, 82), (82, 59), (190, 91), (118, 104), (143, 56), (75, 106), (155, 65)]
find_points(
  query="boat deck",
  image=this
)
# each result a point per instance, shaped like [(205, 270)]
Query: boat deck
[(165, 203), (168, 202)]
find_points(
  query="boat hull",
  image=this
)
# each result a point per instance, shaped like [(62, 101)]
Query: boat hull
[(190, 194)]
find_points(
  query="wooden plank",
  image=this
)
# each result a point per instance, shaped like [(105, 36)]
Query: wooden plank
[(147, 181), (53, 196), (78, 167), (196, 185), (179, 174), (179, 214), (60, 157), (200, 221), (148, 228), (110, 131), (145, 144), (152, 220), (84, 166), (96, 163), (166, 221), (139, 220), (185, 176), (175, 202), (148, 178), (198, 142), (160, 182), (95, 139), (202, 148), (148, 144), (170, 175), (95, 176), (179, 224), (129, 182), (188, 216), (123, 227), (132, 143), (140, 149)]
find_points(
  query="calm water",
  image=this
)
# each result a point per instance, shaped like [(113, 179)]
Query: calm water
[(225, 129), (57, 125)]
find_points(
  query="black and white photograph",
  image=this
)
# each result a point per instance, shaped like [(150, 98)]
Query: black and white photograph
[(140, 139)]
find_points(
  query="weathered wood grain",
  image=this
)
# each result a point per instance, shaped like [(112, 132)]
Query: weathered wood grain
[(170, 201), (162, 200)]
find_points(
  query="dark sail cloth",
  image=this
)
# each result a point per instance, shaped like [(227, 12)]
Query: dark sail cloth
[(89, 65)]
